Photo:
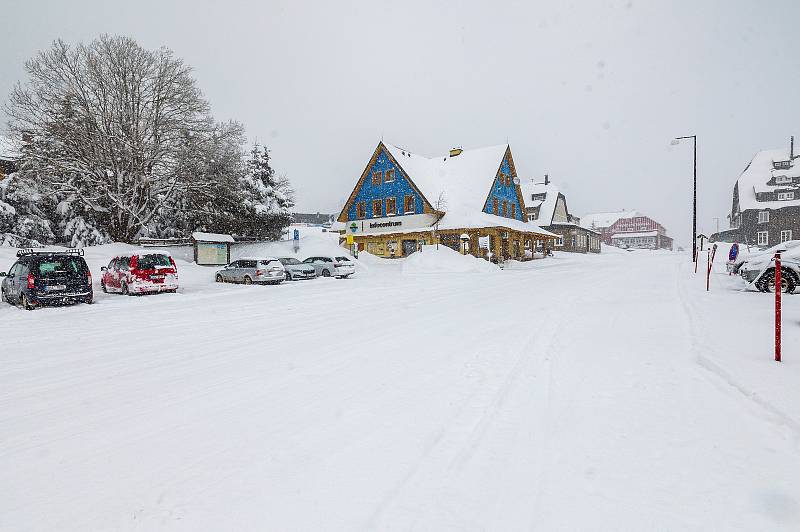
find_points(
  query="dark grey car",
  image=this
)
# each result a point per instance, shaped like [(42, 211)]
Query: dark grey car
[(252, 271), (297, 270)]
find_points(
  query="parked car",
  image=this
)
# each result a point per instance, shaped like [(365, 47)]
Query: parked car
[(329, 266), (145, 272), (40, 278), (758, 269), (297, 270), (268, 270)]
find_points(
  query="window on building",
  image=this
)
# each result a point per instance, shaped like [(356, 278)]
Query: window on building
[(505, 208), (377, 208), (495, 205), (389, 176), (508, 180), (559, 242), (783, 179), (786, 235), (409, 205), (785, 195), (391, 206), (763, 238), (377, 177), (361, 209), (513, 210), (763, 217)]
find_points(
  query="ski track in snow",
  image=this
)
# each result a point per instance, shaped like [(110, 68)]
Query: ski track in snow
[(563, 395)]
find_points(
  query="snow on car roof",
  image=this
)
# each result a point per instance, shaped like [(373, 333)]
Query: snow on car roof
[(144, 252), (758, 172), (211, 237), (257, 258)]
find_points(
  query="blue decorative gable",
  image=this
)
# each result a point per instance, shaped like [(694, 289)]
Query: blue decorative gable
[(398, 189), (504, 189)]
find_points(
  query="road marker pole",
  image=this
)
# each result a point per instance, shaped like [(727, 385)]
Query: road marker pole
[(777, 307)]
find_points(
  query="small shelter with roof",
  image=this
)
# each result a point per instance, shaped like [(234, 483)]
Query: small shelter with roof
[(403, 200), (212, 249)]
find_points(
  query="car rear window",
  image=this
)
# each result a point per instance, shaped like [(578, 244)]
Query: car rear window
[(55, 266), (343, 258), (267, 262), (290, 261), (149, 262)]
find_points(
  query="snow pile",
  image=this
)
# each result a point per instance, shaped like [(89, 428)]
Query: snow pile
[(445, 260)]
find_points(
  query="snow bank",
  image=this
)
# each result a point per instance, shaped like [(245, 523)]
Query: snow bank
[(445, 260)]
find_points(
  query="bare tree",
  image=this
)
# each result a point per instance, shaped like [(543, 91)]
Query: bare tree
[(107, 124)]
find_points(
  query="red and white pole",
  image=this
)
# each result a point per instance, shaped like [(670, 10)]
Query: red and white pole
[(708, 271), (777, 307)]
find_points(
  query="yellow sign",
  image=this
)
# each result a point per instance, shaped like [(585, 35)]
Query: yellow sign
[(349, 240)]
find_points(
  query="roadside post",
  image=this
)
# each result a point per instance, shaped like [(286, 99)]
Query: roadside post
[(296, 240), (350, 243), (711, 253), (778, 306)]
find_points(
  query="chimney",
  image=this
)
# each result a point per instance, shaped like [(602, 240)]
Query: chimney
[(546, 179), (455, 152), (791, 147)]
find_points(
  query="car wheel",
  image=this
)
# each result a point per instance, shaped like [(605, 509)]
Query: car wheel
[(125, 291), (89, 299), (103, 287), (767, 281), (247, 280), (23, 299), (326, 273), (345, 276), (288, 276), (219, 278)]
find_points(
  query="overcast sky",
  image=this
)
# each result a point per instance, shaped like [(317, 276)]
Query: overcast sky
[(589, 92)]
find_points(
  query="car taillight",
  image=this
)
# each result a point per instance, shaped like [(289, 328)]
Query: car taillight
[(259, 272), (89, 277), (31, 281)]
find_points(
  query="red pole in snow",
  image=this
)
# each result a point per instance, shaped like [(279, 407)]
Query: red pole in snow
[(777, 307), (708, 272)]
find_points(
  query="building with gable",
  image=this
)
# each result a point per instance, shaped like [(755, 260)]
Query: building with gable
[(547, 207), (628, 229), (469, 200), (766, 199)]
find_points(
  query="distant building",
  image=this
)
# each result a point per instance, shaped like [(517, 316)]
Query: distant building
[(313, 219), (547, 207), (766, 199), (468, 200), (628, 229)]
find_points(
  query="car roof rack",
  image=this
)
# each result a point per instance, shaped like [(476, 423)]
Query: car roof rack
[(30, 251)]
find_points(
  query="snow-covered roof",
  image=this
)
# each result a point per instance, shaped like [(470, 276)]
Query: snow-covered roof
[(211, 237), (547, 207), (606, 219), (634, 235), (755, 176), (9, 149), (463, 182)]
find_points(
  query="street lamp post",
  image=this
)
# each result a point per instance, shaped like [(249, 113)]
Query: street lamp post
[(677, 140)]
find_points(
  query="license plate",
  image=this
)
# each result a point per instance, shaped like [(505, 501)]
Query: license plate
[(55, 287), (157, 277)]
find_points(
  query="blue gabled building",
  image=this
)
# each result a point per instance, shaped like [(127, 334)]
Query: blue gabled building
[(469, 200)]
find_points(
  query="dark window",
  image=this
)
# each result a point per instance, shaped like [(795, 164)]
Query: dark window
[(391, 206), (247, 263), (342, 259), (377, 177), (495, 204), (154, 260), (409, 204), (513, 210), (377, 208), (505, 208), (60, 266), (389, 177), (361, 210)]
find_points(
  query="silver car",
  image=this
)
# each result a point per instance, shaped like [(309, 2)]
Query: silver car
[(330, 266), (267, 270), (297, 270)]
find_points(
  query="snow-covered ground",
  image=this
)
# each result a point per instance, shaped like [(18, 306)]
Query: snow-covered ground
[(602, 392)]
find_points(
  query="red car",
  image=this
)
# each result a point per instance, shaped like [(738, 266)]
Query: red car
[(140, 273)]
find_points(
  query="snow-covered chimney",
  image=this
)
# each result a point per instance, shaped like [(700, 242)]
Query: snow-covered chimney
[(791, 147), (546, 179)]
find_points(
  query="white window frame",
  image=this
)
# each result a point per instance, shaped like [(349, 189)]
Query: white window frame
[(786, 234), (784, 196), (763, 217), (763, 241), (559, 242)]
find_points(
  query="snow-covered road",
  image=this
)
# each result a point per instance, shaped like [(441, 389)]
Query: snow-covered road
[(582, 393)]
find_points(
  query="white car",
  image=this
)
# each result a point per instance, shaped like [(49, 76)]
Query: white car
[(758, 269), (332, 266)]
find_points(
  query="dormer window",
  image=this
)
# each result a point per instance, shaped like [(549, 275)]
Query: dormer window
[(782, 179), (781, 165)]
